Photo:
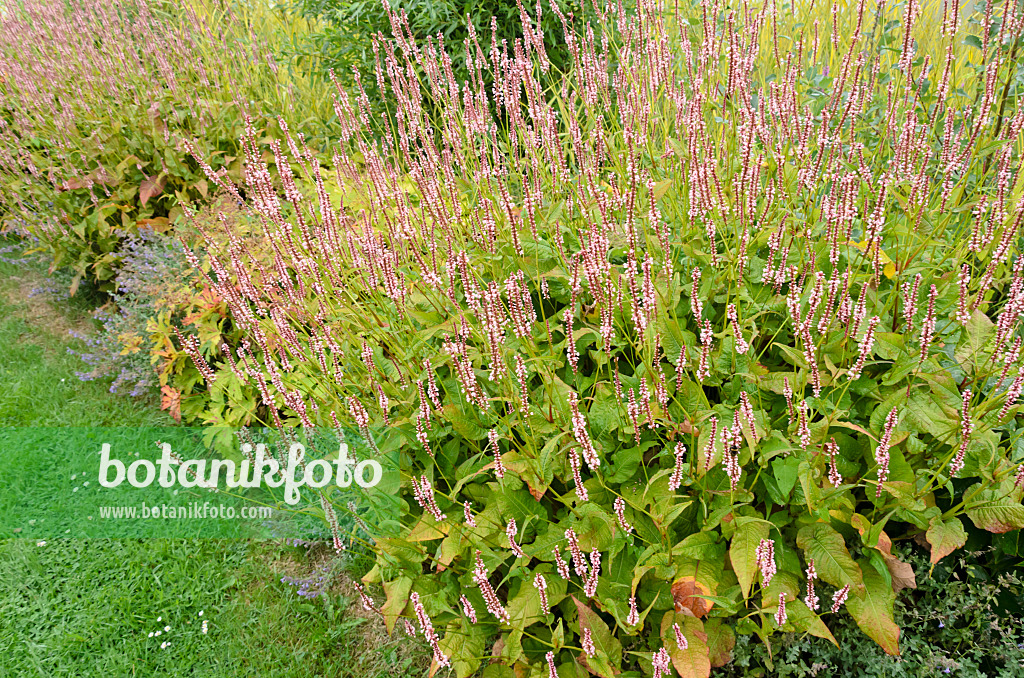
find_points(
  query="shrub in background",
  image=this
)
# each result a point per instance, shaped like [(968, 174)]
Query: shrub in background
[(97, 97), (677, 357), (349, 27)]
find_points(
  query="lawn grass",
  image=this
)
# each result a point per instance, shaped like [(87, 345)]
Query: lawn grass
[(86, 607)]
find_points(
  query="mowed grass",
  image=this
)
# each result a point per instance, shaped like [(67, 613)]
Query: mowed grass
[(85, 608)]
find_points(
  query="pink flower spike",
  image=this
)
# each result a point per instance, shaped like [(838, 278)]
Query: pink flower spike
[(661, 662), (552, 671), (620, 513), (633, 618), (765, 558), (680, 638), (780, 614), (588, 643), (839, 597), (468, 609)]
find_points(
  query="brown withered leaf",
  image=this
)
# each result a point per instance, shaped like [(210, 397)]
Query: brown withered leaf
[(903, 576), (685, 592)]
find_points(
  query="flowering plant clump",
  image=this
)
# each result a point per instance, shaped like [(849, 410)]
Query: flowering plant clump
[(670, 352)]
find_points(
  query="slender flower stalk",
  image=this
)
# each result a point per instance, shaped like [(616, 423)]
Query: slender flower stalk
[(468, 609), (588, 642), (550, 659), (511, 531), (864, 348), (480, 577), (709, 449), (832, 448), (590, 586), (563, 567), (741, 345), (633, 618), (428, 630), (661, 663), (578, 561), (579, 430), (675, 481), (423, 492)]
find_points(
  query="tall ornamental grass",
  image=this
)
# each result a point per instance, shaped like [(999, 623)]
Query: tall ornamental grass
[(670, 352)]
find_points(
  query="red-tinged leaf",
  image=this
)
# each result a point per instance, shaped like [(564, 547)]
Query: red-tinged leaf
[(902, 573), (609, 649), (871, 608), (695, 660), (150, 188), (721, 641), (945, 536), (743, 550), (855, 427), (831, 559)]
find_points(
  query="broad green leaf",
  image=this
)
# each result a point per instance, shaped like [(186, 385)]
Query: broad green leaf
[(800, 616), (979, 330), (464, 644), (397, 591), (721, 641), (872, 609), (831, 559), (524, 607), (990, 510), (742, 550)]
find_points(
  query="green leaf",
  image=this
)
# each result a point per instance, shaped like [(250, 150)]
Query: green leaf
[(742, 550), (397, 591), (785, 473), (464, 644), (991, 510), (831, 559), (872, 607), (609, 649), (977, 333), (524, 608)]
